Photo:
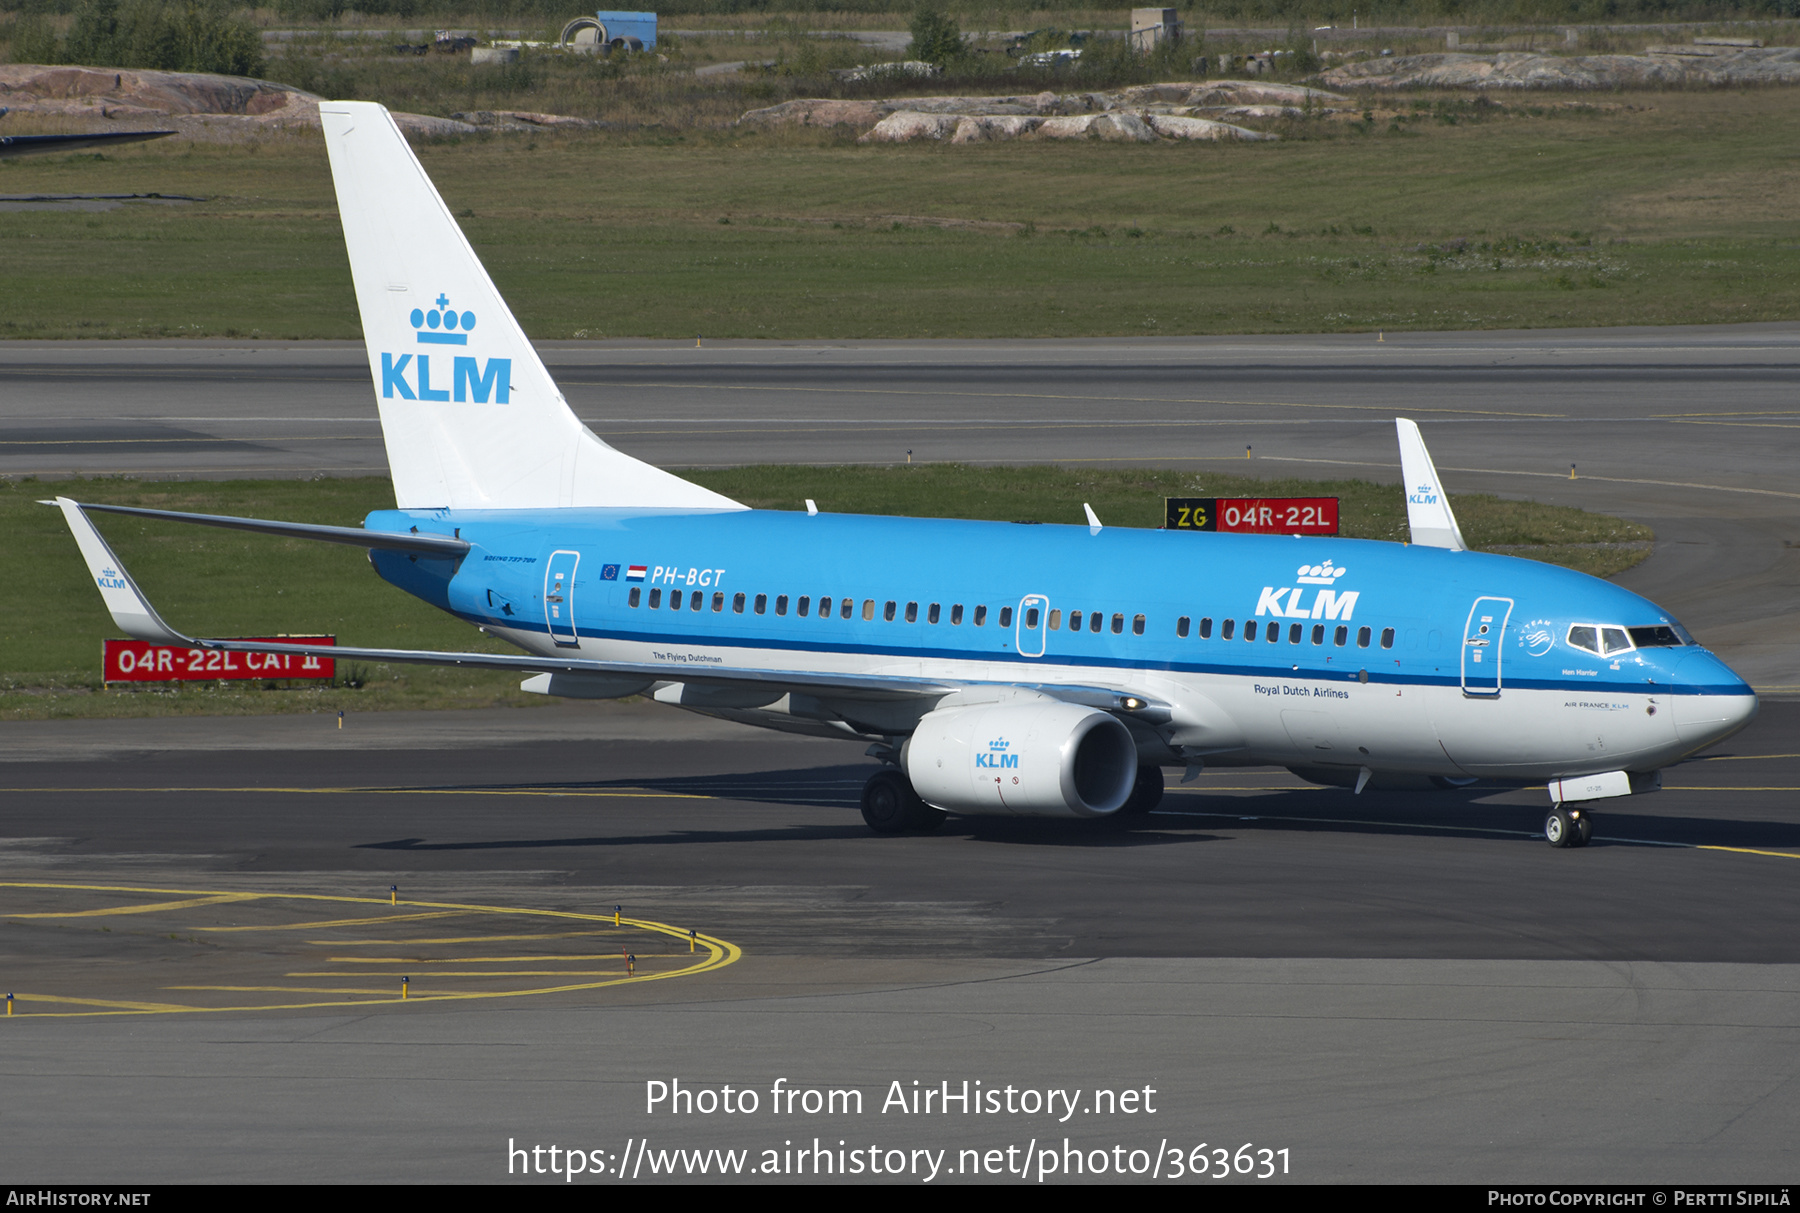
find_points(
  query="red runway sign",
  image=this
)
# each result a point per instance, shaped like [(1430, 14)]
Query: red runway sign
[(141, 661), (1253, 515)]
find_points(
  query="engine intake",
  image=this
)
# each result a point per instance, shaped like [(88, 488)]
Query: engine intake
[(1044, 759)]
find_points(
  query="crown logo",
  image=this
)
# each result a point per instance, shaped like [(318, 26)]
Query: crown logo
[(1320, 574), (438, 326)]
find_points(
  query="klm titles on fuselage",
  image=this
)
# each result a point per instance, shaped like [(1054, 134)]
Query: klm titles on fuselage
[(470, 380), (1286, 602)]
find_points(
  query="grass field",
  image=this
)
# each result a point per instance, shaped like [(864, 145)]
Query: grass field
[(211, 582), (1442, 213)]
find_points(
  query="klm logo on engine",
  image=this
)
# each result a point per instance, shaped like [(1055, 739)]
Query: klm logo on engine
[(995, 757), (1289, 602), (408, 376)]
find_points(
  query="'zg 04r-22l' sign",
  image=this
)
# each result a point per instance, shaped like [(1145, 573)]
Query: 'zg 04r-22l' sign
[(1252, 515)]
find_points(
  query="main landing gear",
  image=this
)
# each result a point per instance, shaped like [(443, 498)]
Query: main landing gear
[(1568, 827), (1146, 793), (890, 805)]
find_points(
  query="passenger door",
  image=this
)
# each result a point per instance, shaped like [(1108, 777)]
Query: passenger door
[(559, 598), (1482, 648)]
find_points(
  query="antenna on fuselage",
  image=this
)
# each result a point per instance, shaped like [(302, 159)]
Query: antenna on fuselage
[(1427, 505)]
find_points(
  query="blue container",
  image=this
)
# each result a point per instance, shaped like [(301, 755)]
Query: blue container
[(641, 26)]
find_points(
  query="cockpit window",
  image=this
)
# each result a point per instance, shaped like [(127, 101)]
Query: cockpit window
[(1657, 637), (1598, 638)]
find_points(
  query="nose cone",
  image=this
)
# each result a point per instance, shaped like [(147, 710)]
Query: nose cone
[(1710, 702)]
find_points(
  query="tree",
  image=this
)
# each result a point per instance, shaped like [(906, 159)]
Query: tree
[(936, 36)]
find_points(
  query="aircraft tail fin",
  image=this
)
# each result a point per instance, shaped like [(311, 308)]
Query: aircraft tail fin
[(470, 414), (1427, 505)]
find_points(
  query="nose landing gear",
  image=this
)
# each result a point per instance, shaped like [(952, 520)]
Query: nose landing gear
[(1568, 827)]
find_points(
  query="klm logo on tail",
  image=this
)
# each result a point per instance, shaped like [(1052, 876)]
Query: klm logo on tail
[(469, 379)]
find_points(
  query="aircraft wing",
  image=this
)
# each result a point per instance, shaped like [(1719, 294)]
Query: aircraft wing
[(132, 611)]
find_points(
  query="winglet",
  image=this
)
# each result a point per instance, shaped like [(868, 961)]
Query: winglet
[(1427, 505), (1093, 519), (130, 609)]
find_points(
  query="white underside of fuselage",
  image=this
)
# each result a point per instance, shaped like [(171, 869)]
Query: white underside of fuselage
[(1230, 719)]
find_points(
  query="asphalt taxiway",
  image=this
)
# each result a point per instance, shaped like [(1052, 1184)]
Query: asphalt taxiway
[(205, 922)]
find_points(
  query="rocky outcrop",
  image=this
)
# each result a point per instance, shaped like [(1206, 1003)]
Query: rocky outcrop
[(1523, 70), (1133, 115), (821, 111), (200, 104)]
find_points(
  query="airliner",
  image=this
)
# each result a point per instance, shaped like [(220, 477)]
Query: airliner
[(992, 668)]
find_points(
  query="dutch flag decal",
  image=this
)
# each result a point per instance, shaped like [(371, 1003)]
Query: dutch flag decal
[(636, 572)]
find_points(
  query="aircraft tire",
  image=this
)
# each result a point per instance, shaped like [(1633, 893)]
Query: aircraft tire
[(1146, 793), (1559, 828), (928, 820), (1584, 830), (889, 804)]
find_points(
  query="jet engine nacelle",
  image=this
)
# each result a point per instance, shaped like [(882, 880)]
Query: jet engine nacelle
[(1042, 759)]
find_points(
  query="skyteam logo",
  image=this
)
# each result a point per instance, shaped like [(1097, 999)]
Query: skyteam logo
[(1287, 602), (996, 757), (469, 379)]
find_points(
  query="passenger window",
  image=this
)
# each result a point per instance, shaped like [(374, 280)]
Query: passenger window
[(912, 612), (1340, 636), (762, 604), (931, 615), (781, 604), (655, 599), (1294, 630), (1031, 618), (848, 609), (1225, 629), (868, 608), (887, 612), (1583, 636), (718, 602), (1362, 638), (1118, 623), (1181, 627), (956, 615), (1318, 633), (1387, 638), (1137, 625), (980, 616), (1206, 629), (1056, 621), (1274, 632), (637, 593), (1005, 617), (1249, 630), (737, 604), (803, 606), (697, 600), (1614, 640)]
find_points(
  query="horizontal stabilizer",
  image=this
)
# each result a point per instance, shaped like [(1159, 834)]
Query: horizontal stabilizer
[(1427, 505), (425, 545)]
